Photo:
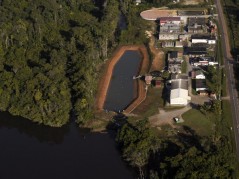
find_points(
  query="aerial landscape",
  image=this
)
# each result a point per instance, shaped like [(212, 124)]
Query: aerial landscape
[(119, 89)]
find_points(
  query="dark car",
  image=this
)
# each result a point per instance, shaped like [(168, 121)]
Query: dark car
[(155, 73)]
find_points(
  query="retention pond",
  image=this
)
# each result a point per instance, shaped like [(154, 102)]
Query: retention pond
[(123, 88)]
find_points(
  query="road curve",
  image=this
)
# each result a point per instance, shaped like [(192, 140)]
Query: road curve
[(228, 62)]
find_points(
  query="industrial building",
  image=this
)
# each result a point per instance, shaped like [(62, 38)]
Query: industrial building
[(179, 90)]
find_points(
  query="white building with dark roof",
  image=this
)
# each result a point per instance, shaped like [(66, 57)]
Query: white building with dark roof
[(203, 39)]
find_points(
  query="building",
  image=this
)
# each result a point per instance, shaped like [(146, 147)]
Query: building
[(170, 28), (148, 79), (203, 39), (195, 51), (201, 85), (169, 20), (196, 25), (137, 2), (198, 74), (168, 44), (174, 62), (183, 37), (203, 61), (168, 36), (179, 90), (157, 83), (178, 44)]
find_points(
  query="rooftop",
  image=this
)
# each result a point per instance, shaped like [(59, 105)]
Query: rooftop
[(170, 19), (196, 20), (182, 84), (203, 36), (173, 54), (201, 83), (195, 50), (179, 76), (179, 93)]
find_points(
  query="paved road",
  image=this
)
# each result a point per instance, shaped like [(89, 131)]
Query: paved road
[(228, 62)]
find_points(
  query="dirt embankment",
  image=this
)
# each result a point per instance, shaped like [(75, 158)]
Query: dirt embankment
[(105, 82)]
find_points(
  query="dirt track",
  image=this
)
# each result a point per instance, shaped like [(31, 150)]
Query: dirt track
[(103, 87)]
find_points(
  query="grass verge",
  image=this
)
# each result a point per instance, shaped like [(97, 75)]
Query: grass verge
[(201, 124)]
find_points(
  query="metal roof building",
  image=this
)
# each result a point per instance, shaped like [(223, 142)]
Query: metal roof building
[(179, 90)]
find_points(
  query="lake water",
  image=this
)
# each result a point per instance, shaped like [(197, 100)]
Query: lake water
[(31, 151), (123, 89)]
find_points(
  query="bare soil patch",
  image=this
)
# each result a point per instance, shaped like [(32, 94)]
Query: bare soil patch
[(158, 61), (154, 14)]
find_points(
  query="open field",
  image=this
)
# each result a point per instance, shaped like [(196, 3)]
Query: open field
[(151, 104), (198, 122)]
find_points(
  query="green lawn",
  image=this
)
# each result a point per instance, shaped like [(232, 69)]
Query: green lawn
[(226, 122), (198, 122), (184, 66), (151, 104)]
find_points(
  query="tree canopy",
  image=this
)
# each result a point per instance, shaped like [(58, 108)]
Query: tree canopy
[(49, 51)]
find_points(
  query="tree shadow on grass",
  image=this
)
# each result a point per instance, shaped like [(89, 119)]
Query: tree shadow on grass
[(189, 138)]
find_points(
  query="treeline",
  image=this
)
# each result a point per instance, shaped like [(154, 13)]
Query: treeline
[(49, 53), (184, 155)]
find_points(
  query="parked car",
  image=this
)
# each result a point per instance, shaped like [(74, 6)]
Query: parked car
[(155, 73)]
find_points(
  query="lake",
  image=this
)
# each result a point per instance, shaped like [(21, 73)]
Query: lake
[(31, 151)]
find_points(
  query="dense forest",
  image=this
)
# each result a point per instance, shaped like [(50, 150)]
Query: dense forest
[(183, 155), (49, 52)]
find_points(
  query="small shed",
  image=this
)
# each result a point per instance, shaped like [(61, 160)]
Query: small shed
[(157, 83), (178, 44), (148, 79)]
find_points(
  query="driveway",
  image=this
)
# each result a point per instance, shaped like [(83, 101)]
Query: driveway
[(165, 117)]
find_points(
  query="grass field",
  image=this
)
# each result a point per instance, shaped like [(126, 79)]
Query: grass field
[(197, 121), (226, 122), (184, 66), (152, 103)]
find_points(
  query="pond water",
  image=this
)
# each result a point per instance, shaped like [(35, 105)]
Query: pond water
[(123, 88), (34, 151)]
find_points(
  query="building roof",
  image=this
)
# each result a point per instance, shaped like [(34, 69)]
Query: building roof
[(199, 72), (196, 20), (169, 19), (148, 78), (195, 50), (201, 83), (173, 54), (169, 28), (178, 44), (199, 36), (179, 93), (179, 76), (179, 84), (168, 44)]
